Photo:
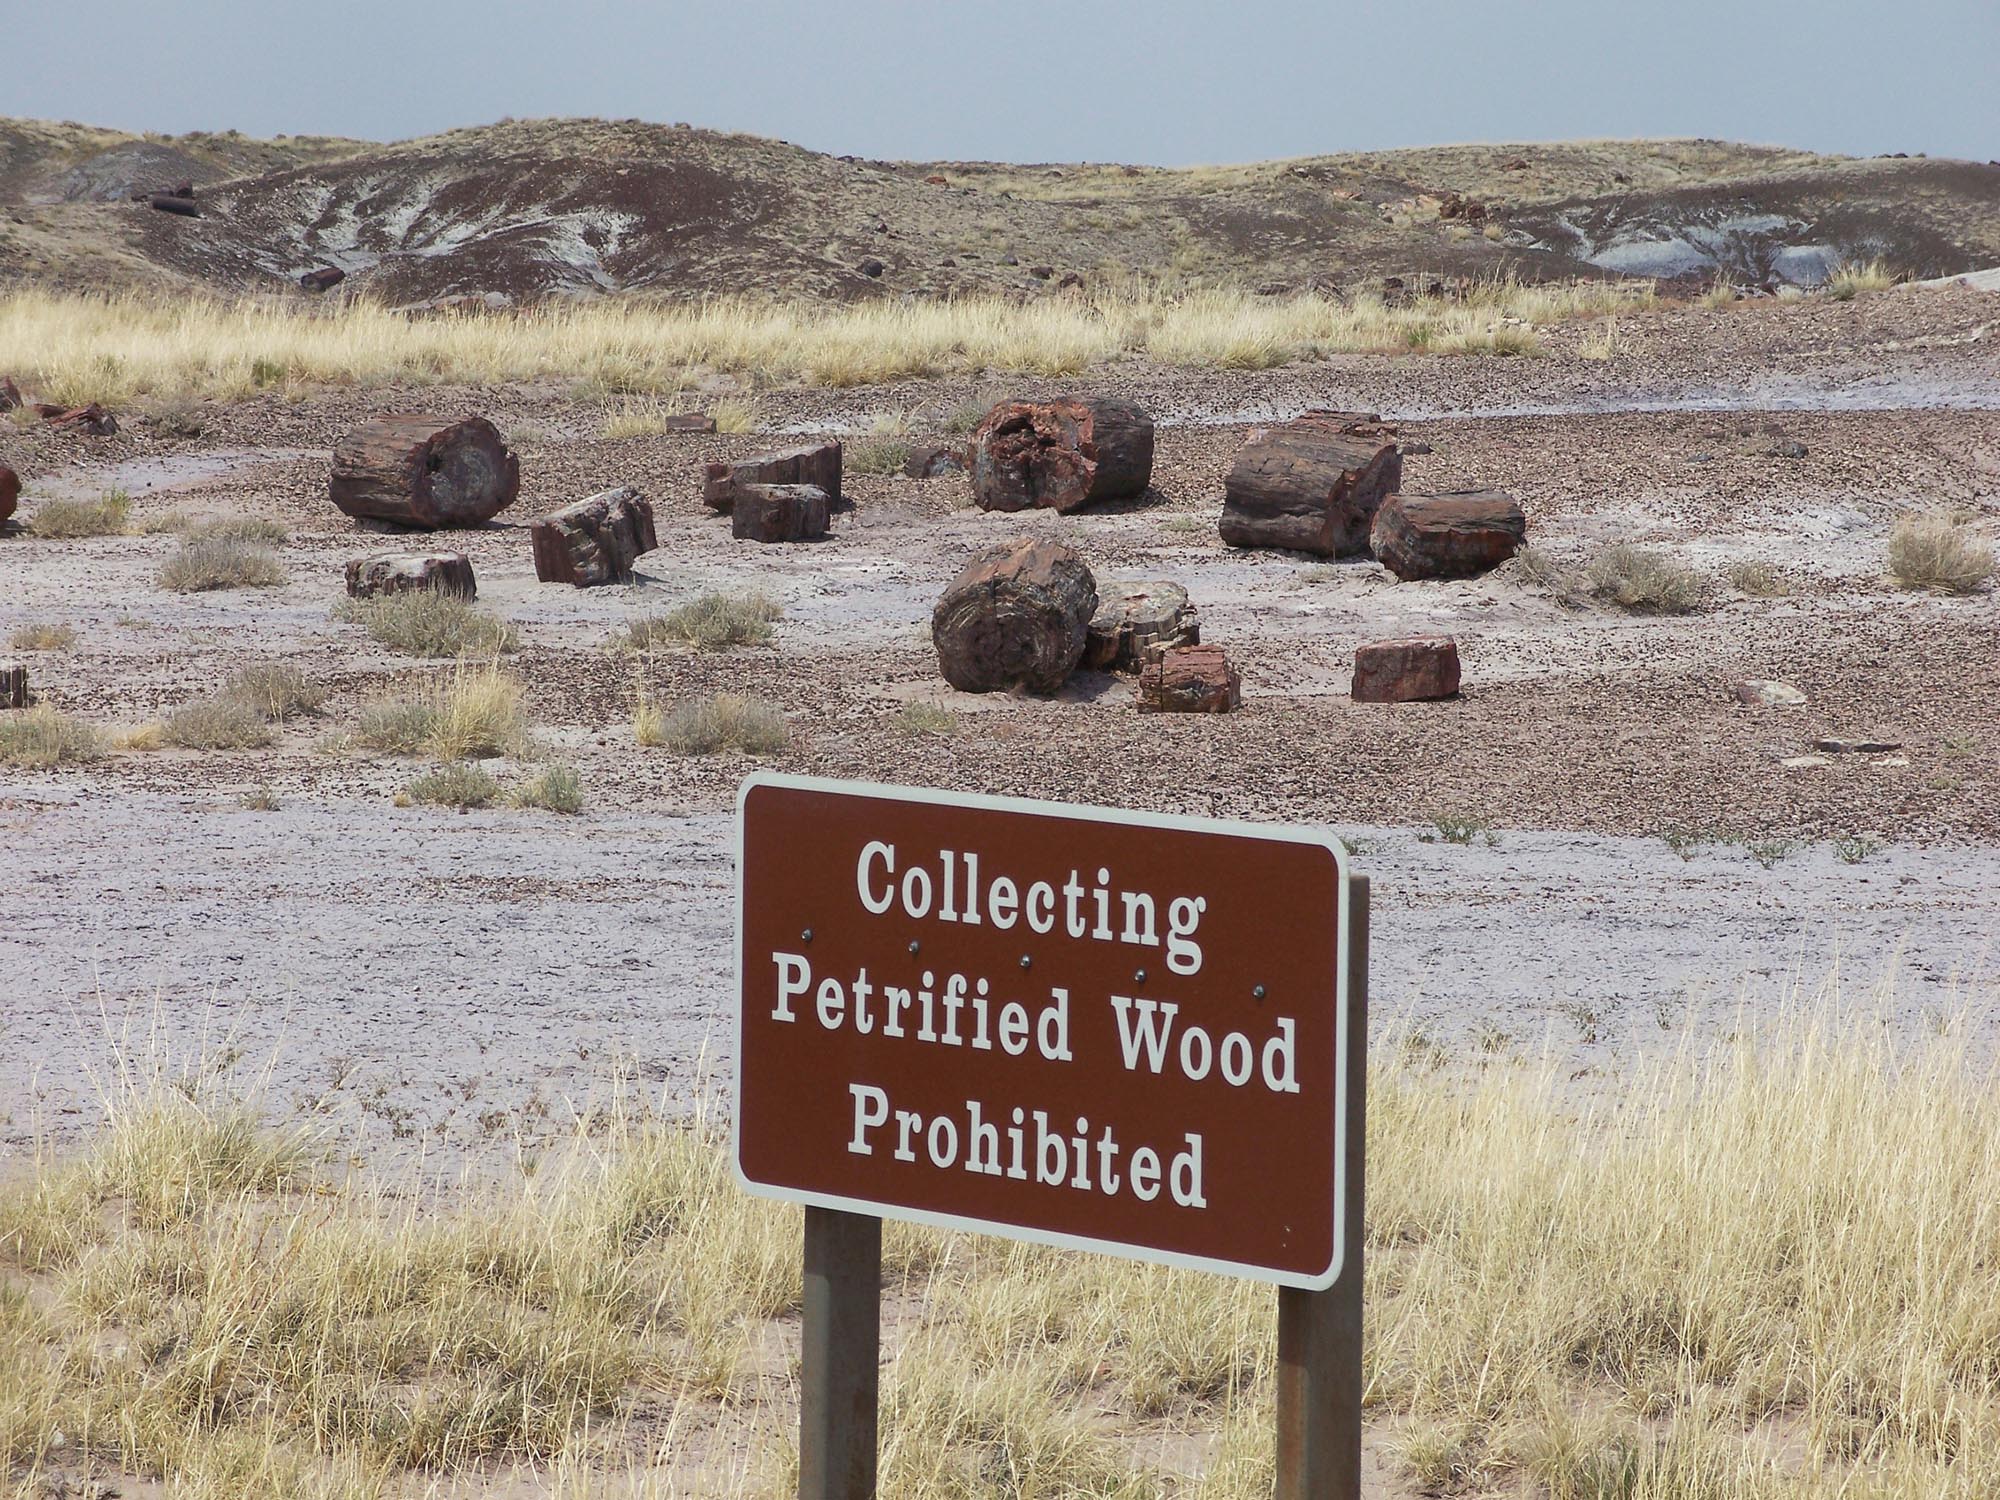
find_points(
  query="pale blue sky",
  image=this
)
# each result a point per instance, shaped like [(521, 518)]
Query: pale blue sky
[(1169, 82)]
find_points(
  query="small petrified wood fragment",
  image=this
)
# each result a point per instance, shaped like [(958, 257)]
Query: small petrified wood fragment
[(594, 541), (407, 572), (13, 684), (1460, 534), (1133, 617), (424, 472), (1060, 454), (778, 512), (92, 419), (808, 463), (1017, 617), (933, 461), (1406, 670), (1188, 680), (1312, 485), (10, 493)]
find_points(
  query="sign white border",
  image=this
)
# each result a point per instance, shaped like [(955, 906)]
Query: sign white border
[(1269, 833)]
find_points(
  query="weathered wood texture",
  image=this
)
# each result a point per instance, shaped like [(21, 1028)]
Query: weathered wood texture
[(1132, 617), (10, 493), (1060, 454), (778, 512), (594, 541), (1312, 485), (1017, 616), (1405, 670), (13, 684), (407, 572), (808, 463), (424, 472), (1460, 534), (1188, 680)]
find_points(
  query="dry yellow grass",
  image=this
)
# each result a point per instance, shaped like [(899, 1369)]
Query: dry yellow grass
[(117, 349), (473, 712), (1940, 553), (1761, 1268)]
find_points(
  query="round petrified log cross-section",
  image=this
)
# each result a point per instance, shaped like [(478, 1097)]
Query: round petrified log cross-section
[(1060, 454), (424, 472), (1016, 617)]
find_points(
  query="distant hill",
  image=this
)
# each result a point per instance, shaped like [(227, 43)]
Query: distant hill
[(525, 209)]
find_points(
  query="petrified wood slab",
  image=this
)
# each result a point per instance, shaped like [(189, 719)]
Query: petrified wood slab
[(808, 463), (1017, 617), (1405, 670), (1188, 680), (424, 472)]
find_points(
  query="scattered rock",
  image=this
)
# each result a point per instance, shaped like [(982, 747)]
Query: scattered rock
[(1758, 692), (1404, 671), (1041, 273), (1411, 448), (92, 419), (1312, 485), (1783, 448), (406, 572), (871, 268), (1836, 745), (13, 684), (1135, 618), (1891, 762), (1804, 762), (808, 463), (1070, 279), (1010, 260), (778, 512), (325, 279), (594, 541), (933, 461), (1188, 680), (10, 493), (424, 472), (1060, 454), (1456, 535), (1514, 164), (1016, 617)]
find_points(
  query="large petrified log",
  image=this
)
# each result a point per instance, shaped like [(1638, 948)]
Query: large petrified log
[(424, 472), (1017, 616), (778, 512), (1460, 534), (1312, 485), (595, 540), (13, 684), (1188, 680), (1131, 618), (1060, 454), (10, 492), (325, 279), (1405, 670), (808, 463), (407, 572)]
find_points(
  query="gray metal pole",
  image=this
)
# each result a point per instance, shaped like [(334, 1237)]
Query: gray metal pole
[(839, 1355)]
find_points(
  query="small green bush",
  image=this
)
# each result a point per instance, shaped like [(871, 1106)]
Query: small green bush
[(714, 622), (68, 520), (557, 789), (206, 564), (457, 785), (1644, 582), (40, 737)]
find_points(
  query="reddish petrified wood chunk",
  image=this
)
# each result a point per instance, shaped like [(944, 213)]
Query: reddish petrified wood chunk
[(1060, 454), (406, 572), (1460, 534), (1188, 680), (1406, 670), (10, 394), (424, 472), (933, 461), (1017, 617), (808, 463), (687, 421), (10, 493), (1133, 618), (92, 419), (778, 512), (594, 541), (1312, 485)]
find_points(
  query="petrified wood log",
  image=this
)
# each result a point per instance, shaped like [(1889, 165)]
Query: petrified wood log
[(595, 540), (92, 419), (1016, 617), (687, 421), (1133, 617), (1312, 485), (933, 461), (173, 203), (1401, 671), (13, 685), (324, 279), (1460, 534), (10, 493), (1060, 454), (1188, 680), (424, 472), (406, 572), (809, 463), (778, 512)]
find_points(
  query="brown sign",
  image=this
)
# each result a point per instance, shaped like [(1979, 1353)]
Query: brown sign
[(1102, 1029)]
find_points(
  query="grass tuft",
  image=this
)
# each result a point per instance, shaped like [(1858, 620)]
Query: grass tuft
[(455, 785), (712, 725), (1938, 552), (556, 789), (1760, 580), (41, 737), (1853, 277), (916, 719), (42, 636), (205, 564), (219, 723), (714, 622), (1644, 582), (423, 622), (70, 520), (475, 712)]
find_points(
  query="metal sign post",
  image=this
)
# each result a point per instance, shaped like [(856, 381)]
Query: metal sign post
[(1140, 1035)]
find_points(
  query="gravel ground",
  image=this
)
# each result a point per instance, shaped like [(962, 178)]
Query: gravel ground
[(468, 964)]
